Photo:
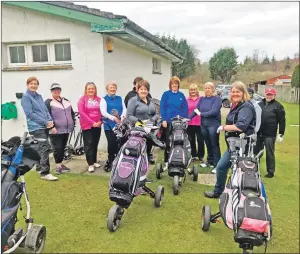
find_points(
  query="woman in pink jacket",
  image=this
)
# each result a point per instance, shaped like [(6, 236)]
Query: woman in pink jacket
[(194, 129), (90, 122)]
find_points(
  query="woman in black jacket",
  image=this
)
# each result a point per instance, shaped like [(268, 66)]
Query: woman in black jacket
[(241, 119)]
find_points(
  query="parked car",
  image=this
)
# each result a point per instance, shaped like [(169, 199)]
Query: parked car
[(221, 87), (224, 94)]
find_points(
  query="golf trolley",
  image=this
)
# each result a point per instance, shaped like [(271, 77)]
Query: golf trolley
[(18, 156), (129, 171), (77, 148), (180, 156), (243, 206)]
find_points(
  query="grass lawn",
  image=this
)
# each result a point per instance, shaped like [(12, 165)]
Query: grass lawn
[(74, 210)]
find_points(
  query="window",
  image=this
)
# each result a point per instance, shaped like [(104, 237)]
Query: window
[(62, 52), (156, 66), (35, 54), (17, 55), (39, 53)]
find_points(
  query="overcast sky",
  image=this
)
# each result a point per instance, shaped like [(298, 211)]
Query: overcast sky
[(272, 27)]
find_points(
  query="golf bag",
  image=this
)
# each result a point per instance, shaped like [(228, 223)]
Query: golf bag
[(16, 160), (180, 148), (243, 204), (128, 169)]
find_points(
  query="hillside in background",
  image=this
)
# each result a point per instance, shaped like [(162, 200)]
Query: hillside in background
[(248, 72)]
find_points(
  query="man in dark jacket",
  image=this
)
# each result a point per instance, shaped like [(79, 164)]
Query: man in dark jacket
[(273, 114), (133, 92)]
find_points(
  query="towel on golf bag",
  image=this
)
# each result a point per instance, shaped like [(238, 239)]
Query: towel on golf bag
[(243, 204), (180, 149), (127, 169)]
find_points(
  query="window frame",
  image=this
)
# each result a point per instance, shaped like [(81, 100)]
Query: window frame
[(53, 53), (31, 62), (10, 64), (156, 71)]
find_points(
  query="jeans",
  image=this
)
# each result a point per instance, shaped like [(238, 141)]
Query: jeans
[(91, 139), (269, 143), (211, 138), (222, 169), (44, 150), (59, 142), (195, 131)]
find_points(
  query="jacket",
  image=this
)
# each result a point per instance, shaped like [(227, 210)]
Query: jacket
[(89, 112), (273, 114), (37, 114), (243, 116), (112, 107), (192, 104), (62, 114), (139, 110), (131, 94), (173, 104), (210, 108)]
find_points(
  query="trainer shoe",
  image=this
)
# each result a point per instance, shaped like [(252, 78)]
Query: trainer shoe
[(97, 165), (166, 166), (49, 177), (91, 169), (65, 169), (59, 170), (269, 175), (211, 194), (214, 171)]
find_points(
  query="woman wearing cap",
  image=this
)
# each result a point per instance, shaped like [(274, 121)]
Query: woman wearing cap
[(62, 114), (240, 119), (273, 116), (194, 129), (172, 103), (113, 110), (90, 122), (39, 122)]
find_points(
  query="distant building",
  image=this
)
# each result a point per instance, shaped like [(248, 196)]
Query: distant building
[(282, 80)]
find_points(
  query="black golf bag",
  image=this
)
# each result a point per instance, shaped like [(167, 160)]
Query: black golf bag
[(15, 161), (180, 155)]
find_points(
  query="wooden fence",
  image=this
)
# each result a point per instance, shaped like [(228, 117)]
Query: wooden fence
[(283, 93)]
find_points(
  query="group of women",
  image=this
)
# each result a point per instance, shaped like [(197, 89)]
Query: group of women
[(55, 118)]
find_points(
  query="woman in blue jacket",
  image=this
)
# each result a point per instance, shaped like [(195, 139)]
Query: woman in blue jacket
[(113, 110), (172, 103), (241, 119), (209, 108)]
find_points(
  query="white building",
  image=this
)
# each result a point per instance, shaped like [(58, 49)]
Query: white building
[(68, 44)]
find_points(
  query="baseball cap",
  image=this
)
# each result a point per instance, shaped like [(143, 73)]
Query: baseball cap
[(55, 86), (270, 91), (250, 90)]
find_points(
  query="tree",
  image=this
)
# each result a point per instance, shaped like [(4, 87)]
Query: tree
[(247, 60), (266, 60), (255, 56), (287, 64), (273, 63), (296, 77), (223, 64), (188, 51)]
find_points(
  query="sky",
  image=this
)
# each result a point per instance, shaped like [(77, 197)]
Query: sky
[(271, 27)]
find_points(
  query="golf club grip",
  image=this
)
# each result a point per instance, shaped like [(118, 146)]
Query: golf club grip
[(24, 138)]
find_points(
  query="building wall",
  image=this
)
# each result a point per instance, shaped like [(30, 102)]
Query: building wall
[(24, 25), (128, 61)]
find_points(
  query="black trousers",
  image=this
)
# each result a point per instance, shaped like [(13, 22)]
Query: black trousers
[(195, 131), (44, 150), (269, 144), (112, 145), (91, 139), (59, 142), (166, 137)]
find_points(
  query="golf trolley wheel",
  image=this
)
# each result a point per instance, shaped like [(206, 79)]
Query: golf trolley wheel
[(114, 218), (176, 185), (35, 239), (205, 222), (159, 196), (195, 173), (159, 170)]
